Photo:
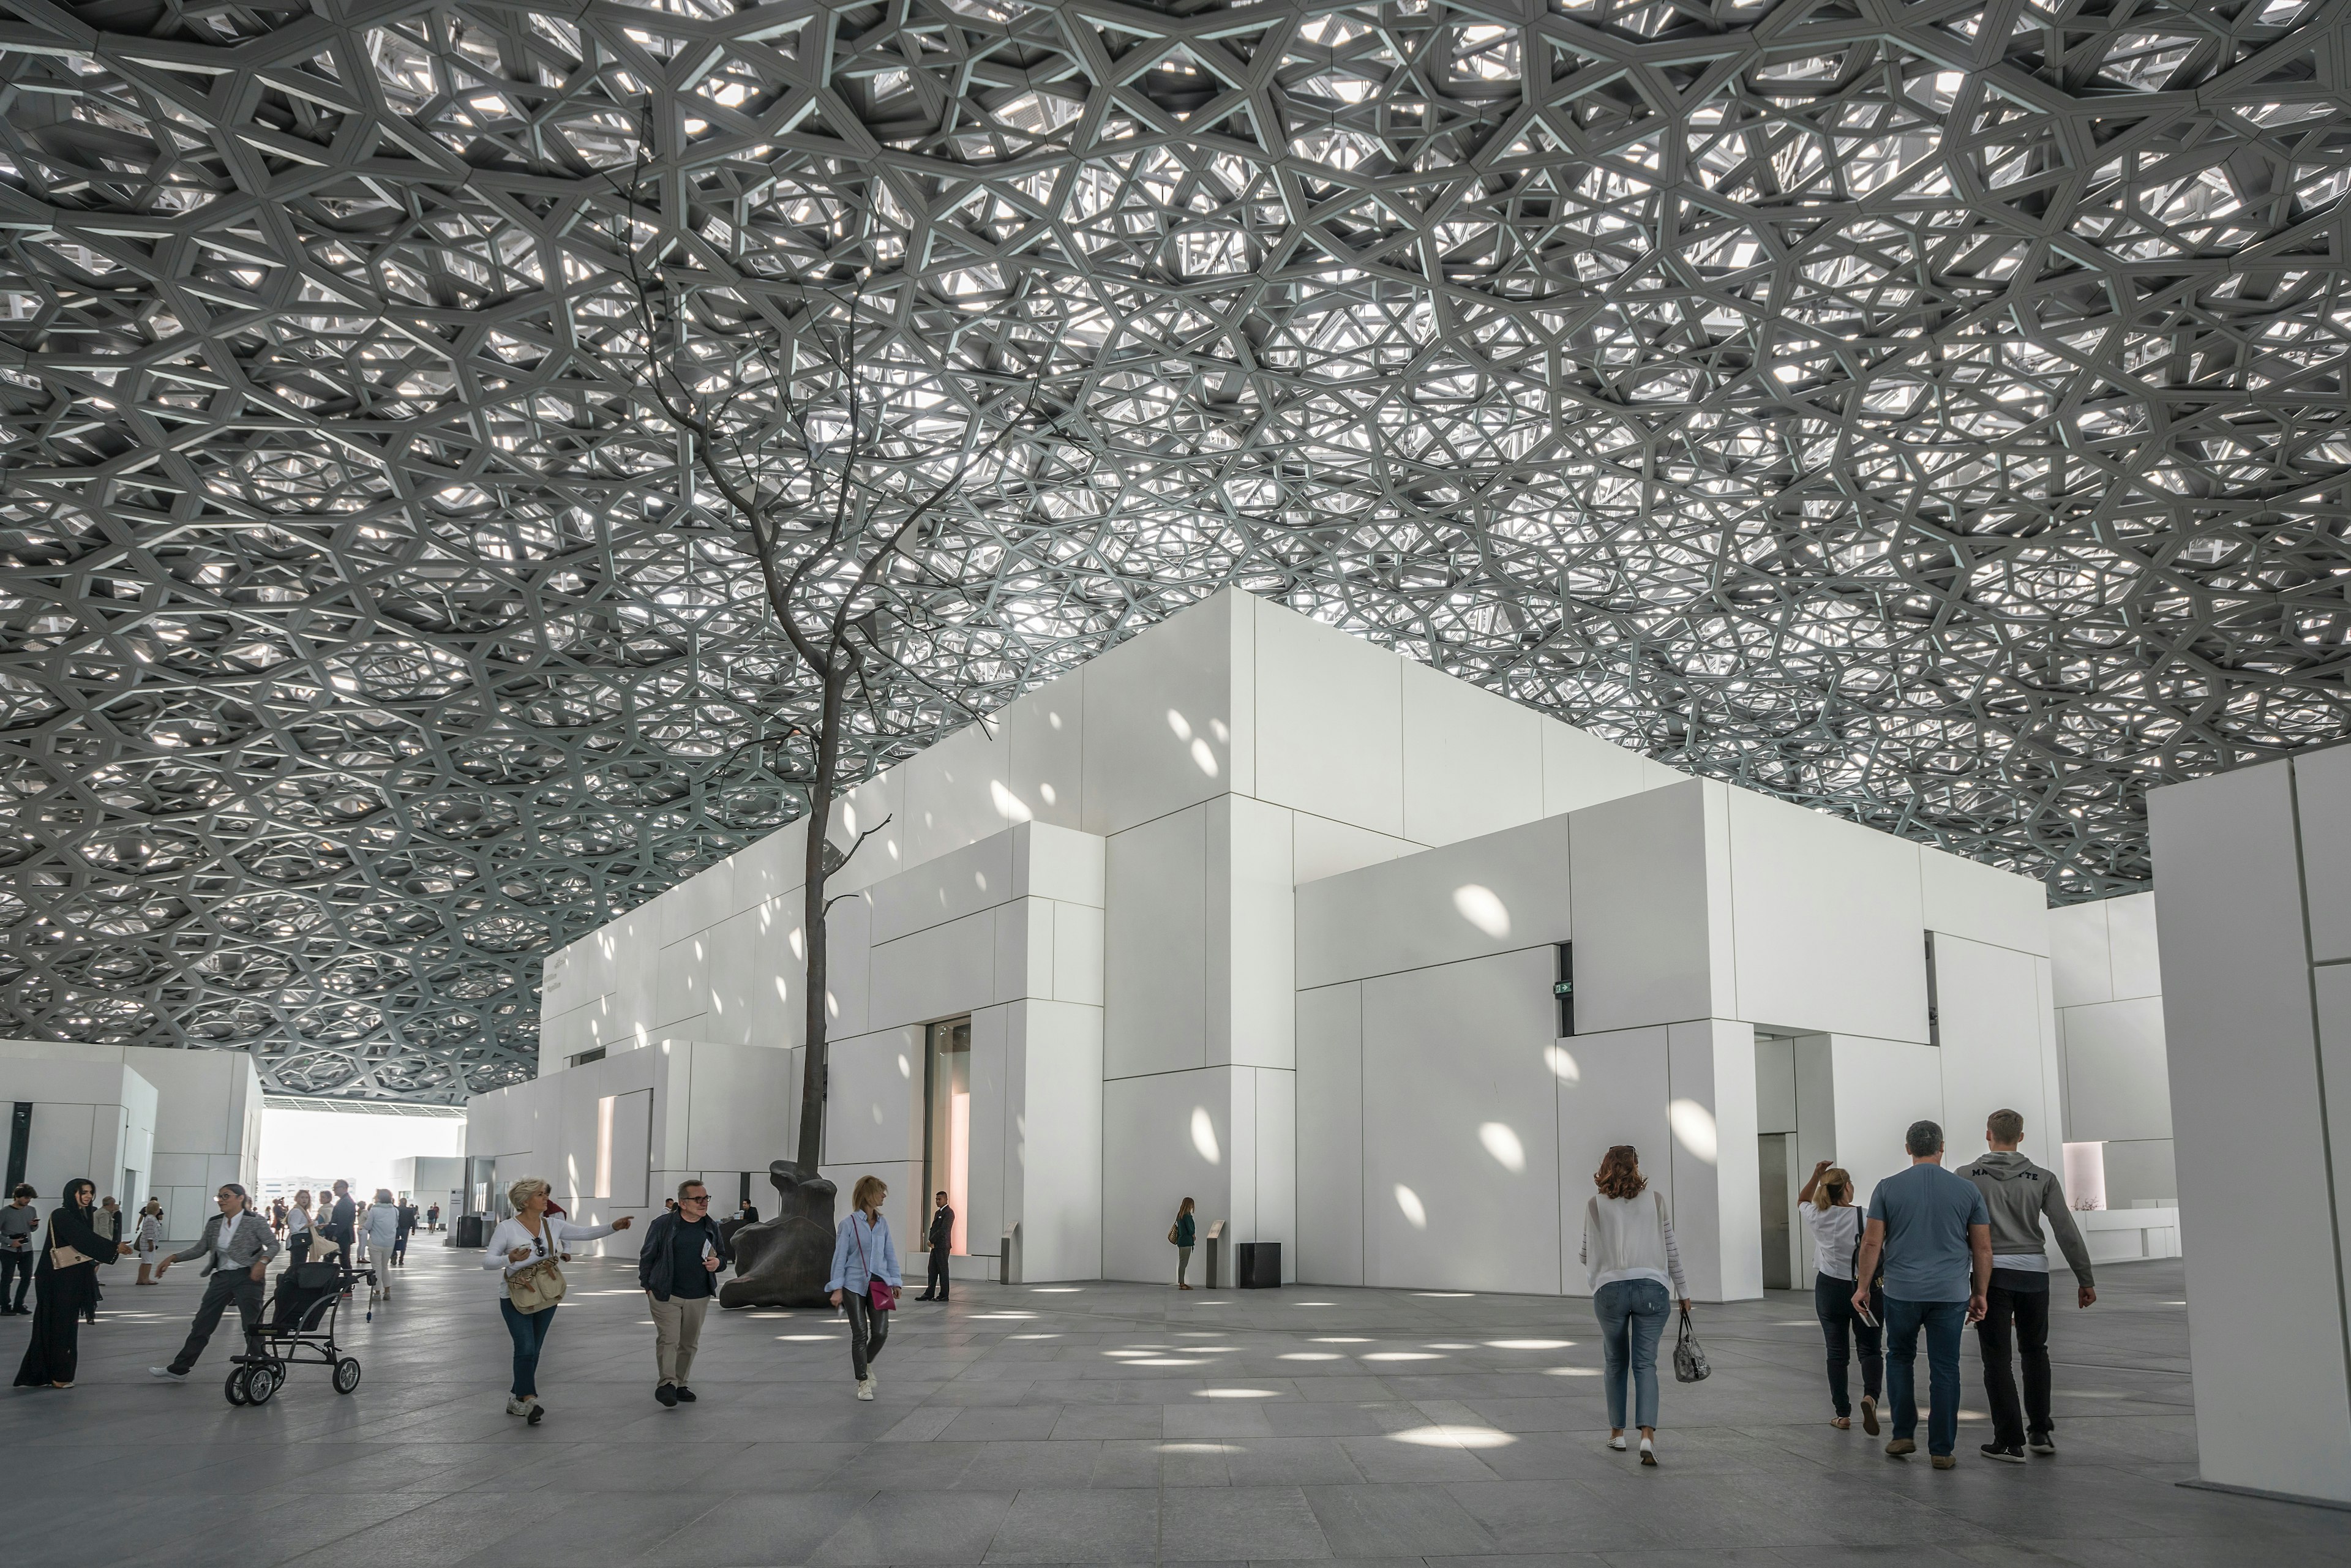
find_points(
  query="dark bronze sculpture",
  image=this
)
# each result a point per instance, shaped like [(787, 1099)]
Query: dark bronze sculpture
[(786, 1261)]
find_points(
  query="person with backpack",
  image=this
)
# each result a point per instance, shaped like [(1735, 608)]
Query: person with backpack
[(1630, 1255), (865, 1280), (2021, 1196), (1834, 1224)]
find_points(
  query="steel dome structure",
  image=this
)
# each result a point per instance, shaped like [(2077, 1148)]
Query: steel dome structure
[(1933, 413)]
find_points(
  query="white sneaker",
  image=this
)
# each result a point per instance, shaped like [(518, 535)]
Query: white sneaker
[(1648, 1452), (516, 1406), (1616, 1441), (865, 1389), (167, 1372)]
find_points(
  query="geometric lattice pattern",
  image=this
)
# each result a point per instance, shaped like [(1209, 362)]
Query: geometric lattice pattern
[(1935, 412)]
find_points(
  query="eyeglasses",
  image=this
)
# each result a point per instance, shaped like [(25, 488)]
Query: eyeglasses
[(705, 1199)]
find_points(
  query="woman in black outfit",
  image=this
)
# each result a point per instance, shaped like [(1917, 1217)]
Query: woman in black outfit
[(62, 1295)]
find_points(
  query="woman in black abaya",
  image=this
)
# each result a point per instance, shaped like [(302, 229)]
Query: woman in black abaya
[(63, 1295)]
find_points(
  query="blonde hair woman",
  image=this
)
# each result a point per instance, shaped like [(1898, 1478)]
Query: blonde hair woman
[(1628, 1247), (1834, 1226), (864, 1255), (531, 1238), (146, 1237), (297, 1229)]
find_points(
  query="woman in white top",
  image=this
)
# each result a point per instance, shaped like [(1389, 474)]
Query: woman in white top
[(297, 1230), (378, 1231), (1834, 1226), (148, 1238), (532, 1237), (1629, 1252)]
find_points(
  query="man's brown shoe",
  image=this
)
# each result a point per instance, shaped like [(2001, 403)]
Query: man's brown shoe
[(1900, 1449), (1947, 1462)]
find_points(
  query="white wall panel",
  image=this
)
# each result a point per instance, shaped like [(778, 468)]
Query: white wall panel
[(1320, 847), (1044, 735), (1024, 950), (1611, 1089), (880, 800), (2080, 962), (1330, 723), (1276, 1164), (1458, 1109), (1490, 894), (1992, 1046), (1639, 877), (2272, 1400), (771, 868), (1473, 761), (1880, 1087), (1827, 914), (1153, 953), (1330, 1136), (1058, 864), (936, 973), (1160, 718), (1581, 769), (1250, 975), (988, 1161), (1164, 1138), (2130, 932), (873, 1104), (1718, 1215), (698, 902), (1077, 954), (956, 793), (685, 990), (2117, 1083), (2322, 781), (933, 892), (737, 1100), (1981, 903)]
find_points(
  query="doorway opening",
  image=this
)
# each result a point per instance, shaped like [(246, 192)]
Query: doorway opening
[(1779, 1245), (947, 1128)]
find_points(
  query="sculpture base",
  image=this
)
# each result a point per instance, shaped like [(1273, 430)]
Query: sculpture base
[(786, 1261)]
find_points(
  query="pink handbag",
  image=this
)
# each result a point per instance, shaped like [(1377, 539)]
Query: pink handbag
[(879, 1292)]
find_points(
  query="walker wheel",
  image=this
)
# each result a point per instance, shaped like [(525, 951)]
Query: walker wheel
[(236, 1387), (260, 1383), (347, 1374)]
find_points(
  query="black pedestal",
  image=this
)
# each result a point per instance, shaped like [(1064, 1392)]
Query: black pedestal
[(1257, 1266)]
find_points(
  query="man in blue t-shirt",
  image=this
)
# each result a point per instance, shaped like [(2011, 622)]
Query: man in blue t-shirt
[(1934, 1234)]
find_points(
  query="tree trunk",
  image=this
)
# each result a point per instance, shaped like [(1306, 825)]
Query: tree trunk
[(820, 817)]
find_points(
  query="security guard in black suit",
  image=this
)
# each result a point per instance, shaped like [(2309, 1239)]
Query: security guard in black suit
[(935, 1289)]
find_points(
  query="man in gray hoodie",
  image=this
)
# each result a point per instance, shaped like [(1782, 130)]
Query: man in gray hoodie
[(2021, 1196)]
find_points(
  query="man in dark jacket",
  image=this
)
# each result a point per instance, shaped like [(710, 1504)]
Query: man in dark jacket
[(342, 1227), (2021, 1196), (405, 1225), (678, 1266), (942, 1237)]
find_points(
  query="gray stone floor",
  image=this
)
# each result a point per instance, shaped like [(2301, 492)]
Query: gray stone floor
[(1101, 1424)]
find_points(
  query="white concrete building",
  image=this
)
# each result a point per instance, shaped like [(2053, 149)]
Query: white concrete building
[(139, 1121), (1250, 910), (2252, 875)]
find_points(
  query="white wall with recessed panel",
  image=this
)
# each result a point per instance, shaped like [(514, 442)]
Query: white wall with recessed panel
[(2108, 992), (2250, 872)]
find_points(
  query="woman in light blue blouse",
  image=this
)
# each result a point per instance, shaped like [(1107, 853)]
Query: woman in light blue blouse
[(863, 1252)]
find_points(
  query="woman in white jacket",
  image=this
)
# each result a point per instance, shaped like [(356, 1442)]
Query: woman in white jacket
[(148, 1238), (1629, 1247), (531, 1238), (379, 1228)]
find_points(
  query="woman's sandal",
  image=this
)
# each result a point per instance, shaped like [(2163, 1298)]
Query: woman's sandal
[(1842, 1423)]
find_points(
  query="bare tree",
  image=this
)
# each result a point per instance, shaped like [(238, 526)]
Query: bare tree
[(837, 452)]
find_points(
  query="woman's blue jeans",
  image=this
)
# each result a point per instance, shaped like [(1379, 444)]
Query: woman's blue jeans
[(1632, 1314), (529, 1332)]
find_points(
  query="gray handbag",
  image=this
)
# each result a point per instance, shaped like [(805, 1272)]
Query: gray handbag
[(1689, 1357)]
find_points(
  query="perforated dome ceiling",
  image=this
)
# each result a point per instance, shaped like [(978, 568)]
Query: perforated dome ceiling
[(1934, 412)]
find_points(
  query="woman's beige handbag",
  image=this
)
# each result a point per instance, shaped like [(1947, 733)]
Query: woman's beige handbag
[(538, 1285)]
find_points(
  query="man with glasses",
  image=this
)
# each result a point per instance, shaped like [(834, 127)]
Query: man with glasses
[(678, 1266)]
